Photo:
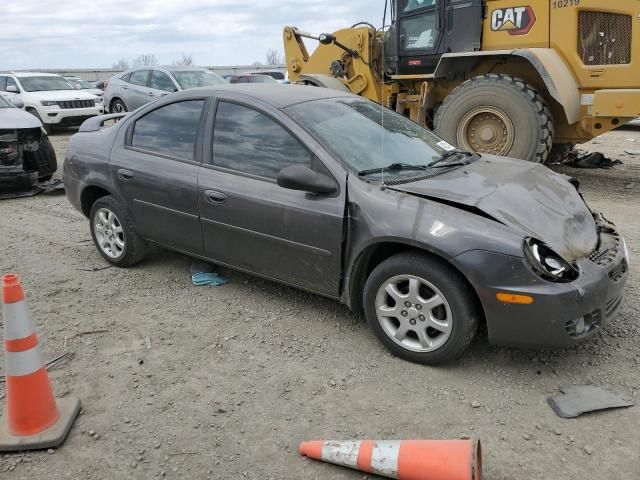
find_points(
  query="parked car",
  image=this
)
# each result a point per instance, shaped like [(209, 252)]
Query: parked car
[(26, 155), (86, 86), (101, 85), (51, 98), (277, 75), (251, 78), (634, 123), (331, 193), (132, 89)]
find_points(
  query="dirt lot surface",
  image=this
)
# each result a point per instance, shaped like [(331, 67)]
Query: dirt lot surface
[(188, 382)]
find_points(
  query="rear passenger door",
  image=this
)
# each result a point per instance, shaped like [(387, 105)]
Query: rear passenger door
[(249, 221), (135, 92), (154, 164)]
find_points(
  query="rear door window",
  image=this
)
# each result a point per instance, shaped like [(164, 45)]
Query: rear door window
[(250, 142), (161, 81), (139, 77), (170, 130), (3, 84)]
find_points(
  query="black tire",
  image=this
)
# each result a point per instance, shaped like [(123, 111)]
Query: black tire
[(47, 127), (527, 110), (135, 248), (118, 106), (42, 160), (464, 312), (559, 152)]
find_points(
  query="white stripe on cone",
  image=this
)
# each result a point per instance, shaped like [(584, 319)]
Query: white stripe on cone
[(17, 321), (341, 453), (19, 364), (384, 458)]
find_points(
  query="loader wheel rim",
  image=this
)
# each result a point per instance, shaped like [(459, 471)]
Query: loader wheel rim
[(486, 130)]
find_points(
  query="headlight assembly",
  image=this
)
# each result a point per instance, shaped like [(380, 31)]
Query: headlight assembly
[(547, 263), (48, 103)]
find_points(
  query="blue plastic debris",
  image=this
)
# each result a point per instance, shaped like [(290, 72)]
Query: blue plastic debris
[(208, 278)]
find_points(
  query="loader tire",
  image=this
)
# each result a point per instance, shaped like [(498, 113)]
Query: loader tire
[(497, 114)]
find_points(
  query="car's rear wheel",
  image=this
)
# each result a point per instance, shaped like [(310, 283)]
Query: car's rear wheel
[(420, 308), (114, 234), (118, 106)]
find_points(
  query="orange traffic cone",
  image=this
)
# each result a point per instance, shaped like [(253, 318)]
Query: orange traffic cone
[(34, 418), (403, 459)]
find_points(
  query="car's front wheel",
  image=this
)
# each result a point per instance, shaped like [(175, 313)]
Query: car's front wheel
[(118, 106), (114, 234), (420, 308)]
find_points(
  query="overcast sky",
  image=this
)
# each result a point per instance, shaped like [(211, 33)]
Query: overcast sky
[(91, 34)]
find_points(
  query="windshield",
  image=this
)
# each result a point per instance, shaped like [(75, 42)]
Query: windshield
[(365, 135), (82, 84), (4, 103), (45, 84), (196, 78)]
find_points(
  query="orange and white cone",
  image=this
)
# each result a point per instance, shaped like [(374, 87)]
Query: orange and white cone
[(403, 459), (34, 418)]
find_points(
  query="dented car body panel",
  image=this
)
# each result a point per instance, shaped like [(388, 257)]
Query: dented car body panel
[(523, 195), (475, 217), (22, 161)]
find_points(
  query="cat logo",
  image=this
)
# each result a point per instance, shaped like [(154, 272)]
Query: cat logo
[(515, 20)]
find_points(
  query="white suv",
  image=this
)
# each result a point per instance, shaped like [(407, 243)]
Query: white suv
[(51, 98)]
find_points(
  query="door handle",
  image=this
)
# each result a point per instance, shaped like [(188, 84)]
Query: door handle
[(214, 197), (151, 94), (125, 175)]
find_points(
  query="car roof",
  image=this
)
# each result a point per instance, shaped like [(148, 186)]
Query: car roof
[(34, 74), (168, 68), (275, 94)]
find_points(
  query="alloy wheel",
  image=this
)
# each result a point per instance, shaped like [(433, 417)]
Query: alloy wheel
[(414, 313), (109, 233)]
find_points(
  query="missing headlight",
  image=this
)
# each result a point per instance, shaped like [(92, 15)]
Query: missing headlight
[(9, 147), (547, 263)]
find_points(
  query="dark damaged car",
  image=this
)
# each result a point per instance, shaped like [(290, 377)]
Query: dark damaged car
[(26, 154), (333, 194)]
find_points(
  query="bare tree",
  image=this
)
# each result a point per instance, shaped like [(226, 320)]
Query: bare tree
[(121, 64), (145, 60), (274, 57), (185, 61)]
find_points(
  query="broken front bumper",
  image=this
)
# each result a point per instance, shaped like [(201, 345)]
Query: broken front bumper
[(15, 182), (562, 314)]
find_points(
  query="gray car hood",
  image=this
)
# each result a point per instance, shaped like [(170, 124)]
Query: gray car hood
[(523, 195), (14, 118)]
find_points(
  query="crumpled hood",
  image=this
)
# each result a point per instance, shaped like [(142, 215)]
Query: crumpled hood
[(523, 195), (14, 118)]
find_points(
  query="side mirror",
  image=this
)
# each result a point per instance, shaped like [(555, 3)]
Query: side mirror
[(299, 177), (12, 89), (17, 102)]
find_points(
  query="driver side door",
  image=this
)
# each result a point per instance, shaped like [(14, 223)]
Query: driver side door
[(249, 221)]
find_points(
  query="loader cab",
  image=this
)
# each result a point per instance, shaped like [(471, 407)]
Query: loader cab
[(422, 30)]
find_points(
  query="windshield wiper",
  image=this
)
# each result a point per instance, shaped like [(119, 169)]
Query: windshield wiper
[(392, 168), (453, 153)]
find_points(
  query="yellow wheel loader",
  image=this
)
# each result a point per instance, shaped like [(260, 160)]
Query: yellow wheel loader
[(520, 78)]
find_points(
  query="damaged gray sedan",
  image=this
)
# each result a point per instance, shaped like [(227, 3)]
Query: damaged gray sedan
[(333, 194), (26, 155)]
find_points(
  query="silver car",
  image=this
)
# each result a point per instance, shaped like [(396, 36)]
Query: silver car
[(133, 88)]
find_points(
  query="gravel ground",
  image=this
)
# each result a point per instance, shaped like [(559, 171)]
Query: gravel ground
[(185, 382)]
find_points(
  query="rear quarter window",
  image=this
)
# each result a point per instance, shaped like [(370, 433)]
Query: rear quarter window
[(169, 130)]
